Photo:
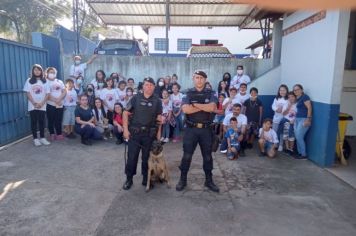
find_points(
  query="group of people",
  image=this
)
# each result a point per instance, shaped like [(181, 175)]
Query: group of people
[(107, 107)]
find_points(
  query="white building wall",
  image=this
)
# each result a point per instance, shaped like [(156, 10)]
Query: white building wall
[(314, 55), (236, 41)]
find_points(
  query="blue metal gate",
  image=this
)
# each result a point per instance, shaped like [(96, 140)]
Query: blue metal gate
[(16, 61)]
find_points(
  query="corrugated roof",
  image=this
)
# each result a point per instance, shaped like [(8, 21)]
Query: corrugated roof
[(181, 12)]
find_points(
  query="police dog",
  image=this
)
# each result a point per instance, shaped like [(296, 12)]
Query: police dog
[(157, 167)]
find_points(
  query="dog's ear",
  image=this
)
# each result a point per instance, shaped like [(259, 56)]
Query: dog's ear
[(162, 143)]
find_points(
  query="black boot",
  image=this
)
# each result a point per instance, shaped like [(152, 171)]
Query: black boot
[(210, 184), (182, 182), (128, 184)]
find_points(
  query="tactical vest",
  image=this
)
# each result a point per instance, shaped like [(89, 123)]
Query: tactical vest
[(145, 111), (202, 97)]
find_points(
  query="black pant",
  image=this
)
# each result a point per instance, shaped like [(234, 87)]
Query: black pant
[(37, 116), (54, 118), (135, 144), (192, 137), (109, 116)]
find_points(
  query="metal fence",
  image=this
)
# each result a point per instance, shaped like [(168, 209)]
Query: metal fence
[(16, 61)]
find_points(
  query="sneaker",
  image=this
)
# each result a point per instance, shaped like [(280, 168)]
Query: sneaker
[(262, 154), (301, 157), (52, 137), (223, 151), (44, 141), (37, 142), (161, 139), (280, 148), (60, 137), (166, 140)]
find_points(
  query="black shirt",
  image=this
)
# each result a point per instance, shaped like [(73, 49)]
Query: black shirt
[(253, 110), (201, 97), (145, 110), (83, 114)]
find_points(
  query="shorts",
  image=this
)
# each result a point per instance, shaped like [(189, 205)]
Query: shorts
[(230, 155), (268, 146), (219, 119), (68, 115), (252, 128), (288, 132)]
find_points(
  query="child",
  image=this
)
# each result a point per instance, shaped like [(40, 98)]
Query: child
[(286, 125), (176, 98), (101, 121), (98, 82), (253, 110), (166, 115), (232, 135), (118, 123), (55, 104), (121, 92), (268, 139), (70, 102), (220, 115), (279, 105), (37, 91), (228, 102), (242, 95), (109, 97), (78, 85)]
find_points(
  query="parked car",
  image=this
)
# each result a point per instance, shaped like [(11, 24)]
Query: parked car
[(126, 47), (212, 51)]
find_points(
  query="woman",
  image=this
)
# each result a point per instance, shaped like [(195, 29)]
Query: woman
[(90, 92), (109, 96), (84, 122), (37, 91), (303, 119), (159, 87), (222, 88), (129, 95), (118, 123), (98, 82), (101, 120), (227, 79)]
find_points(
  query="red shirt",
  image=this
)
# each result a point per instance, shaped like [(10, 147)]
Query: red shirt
[(118, 119)]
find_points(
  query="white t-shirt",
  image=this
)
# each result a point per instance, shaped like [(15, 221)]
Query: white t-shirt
[(100, 121), (291, 113), (270, 136), (38, 91), (228, 109), (121, 94), (280, 102), (56, 87), (71, 98), (237, 80), (176, 100), (166, 108), (239, 98), (76, 70), (110, 97), (241, 120)]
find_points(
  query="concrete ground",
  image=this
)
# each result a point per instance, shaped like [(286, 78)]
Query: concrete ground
[(70, 189)]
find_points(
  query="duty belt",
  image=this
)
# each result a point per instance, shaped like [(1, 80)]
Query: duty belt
[(198, 125)]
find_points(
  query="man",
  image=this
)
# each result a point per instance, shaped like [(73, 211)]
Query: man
[(198, 105), (78, 68), (241, 126), (240, 78), (140, 129)]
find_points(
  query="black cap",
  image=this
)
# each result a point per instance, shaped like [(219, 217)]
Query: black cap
[(150, 80), (201, 73)]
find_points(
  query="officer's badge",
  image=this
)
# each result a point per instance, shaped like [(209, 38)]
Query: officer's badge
[(207, 100), (149, 104)]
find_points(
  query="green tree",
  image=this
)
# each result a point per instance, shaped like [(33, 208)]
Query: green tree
[(28, 16)]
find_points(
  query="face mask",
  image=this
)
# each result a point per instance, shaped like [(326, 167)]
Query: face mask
[(79, 81), (129, 93), (77, 62), (240, 72), (160, 83), (101, 85), (51, 75)]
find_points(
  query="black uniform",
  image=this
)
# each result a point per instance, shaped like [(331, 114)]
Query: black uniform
[(143, 130), (199, 130)]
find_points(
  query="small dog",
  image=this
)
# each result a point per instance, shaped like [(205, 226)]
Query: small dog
[(157, 167)]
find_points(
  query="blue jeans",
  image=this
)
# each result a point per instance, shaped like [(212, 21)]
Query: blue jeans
[(300, 130), (88, 132), (165, 130), (179, 125), (280, 130)]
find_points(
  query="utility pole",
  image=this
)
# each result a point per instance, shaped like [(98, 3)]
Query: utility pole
[(76, 26)]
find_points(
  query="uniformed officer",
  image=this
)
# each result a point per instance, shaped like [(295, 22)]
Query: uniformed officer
[(141, 126), (198, 105)]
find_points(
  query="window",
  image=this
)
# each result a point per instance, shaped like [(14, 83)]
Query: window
[(208, 41), (184, 44), (160, 44)]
